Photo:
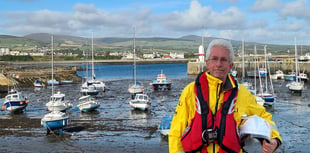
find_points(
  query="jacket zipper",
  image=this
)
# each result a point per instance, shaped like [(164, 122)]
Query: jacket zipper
[(216, 106)]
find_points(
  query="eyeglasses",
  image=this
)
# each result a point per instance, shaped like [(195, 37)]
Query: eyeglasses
[(216, 59)]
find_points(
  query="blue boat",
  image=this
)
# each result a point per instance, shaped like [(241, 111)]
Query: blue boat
[(164, 126), (291, 76), (53, 82), (55, 120), (15, 102)]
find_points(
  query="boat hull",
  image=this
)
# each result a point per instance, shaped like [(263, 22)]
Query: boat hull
[(15, 106), (161, 86), (55, 124), (140, 105), (88, 107)]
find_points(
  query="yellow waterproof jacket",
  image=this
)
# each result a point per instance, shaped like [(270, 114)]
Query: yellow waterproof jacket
[(185, 110)]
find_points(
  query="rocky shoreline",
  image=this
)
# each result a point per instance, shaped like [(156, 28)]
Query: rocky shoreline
[(19, 76)]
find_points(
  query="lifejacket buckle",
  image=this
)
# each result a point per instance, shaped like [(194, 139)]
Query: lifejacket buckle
[(209, 135)]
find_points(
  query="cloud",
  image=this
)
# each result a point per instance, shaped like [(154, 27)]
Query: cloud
[(198, 16), (296, 9), (265, 5)]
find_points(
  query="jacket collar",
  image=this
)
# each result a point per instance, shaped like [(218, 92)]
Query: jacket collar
[(229, 83)]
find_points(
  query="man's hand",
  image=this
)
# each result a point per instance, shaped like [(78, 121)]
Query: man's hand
[(269, 147)]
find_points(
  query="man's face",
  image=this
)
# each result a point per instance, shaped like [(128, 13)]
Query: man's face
[(218, 63)]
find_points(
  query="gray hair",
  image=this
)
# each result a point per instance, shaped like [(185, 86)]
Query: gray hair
[(221, 43)]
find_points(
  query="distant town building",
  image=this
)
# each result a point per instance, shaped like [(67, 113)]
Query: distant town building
[(176, 55), (4, 51)]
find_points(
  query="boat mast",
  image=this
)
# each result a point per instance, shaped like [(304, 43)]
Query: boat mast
[(266, 83), (296, 66), (92, 56), (243, 71), (52, 41), (134, 55), (255, 64)]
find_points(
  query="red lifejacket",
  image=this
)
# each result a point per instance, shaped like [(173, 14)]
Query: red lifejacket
[(222, 122)]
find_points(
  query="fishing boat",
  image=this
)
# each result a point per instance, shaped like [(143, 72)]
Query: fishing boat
[(57, 102), (55, 120), (14, 101), (297, 86), (303, 77), (161, 82), (141, 101), (164, 126), (38, 83), (87, 103), (279, 75), (135, 86)]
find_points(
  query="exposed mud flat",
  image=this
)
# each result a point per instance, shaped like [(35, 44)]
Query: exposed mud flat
[(115, 127)]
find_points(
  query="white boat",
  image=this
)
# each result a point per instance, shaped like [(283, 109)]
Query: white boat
[(38, 83), (161, 82), (87, 103), (15, 102), (98, 84), (264, 93), (247, 84), (164, 126), (259, 99), (303, 77), (89, 89), (279, 75), (93, 86), (136, 86), (297, 86), (56, 119), (57, 102), (140, 101)]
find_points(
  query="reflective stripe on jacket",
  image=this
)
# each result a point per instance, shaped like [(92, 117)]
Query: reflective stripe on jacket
[(186, 108)]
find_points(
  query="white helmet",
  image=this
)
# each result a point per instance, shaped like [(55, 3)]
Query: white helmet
[(255, 127)]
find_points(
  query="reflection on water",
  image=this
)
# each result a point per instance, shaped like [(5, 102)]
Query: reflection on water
[(93, 115), (138, 116)]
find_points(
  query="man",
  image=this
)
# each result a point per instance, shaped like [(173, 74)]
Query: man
[(211, 108)]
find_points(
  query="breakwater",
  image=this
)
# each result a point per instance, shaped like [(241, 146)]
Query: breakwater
[(194, 68), (19, 76)]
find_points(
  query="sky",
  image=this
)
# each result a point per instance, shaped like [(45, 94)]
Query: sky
[(261, 21)]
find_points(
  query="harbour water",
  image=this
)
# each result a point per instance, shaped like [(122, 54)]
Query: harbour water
[(115, 127)]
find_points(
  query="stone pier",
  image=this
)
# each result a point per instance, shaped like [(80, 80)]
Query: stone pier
[(194, 68)]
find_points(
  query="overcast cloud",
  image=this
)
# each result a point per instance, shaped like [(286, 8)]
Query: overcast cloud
[(264, 21)]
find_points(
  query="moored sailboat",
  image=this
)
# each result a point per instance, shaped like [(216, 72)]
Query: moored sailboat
[(56, 119), (135, 86), (297, 86)]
